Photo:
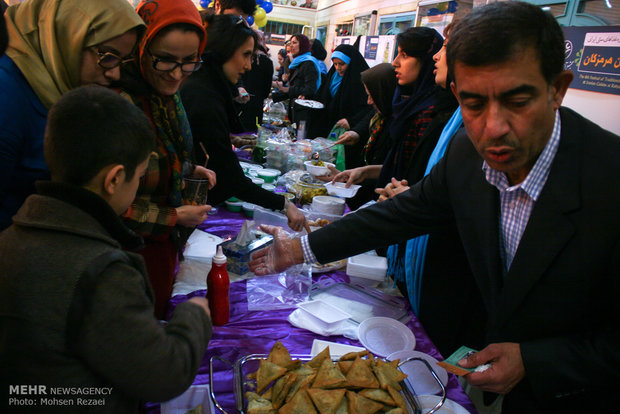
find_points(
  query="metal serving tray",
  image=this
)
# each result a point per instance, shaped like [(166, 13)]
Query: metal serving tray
[(247, 364)]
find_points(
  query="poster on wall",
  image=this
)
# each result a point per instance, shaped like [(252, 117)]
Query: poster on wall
[(372, 44), (593, 55), (381, 51)]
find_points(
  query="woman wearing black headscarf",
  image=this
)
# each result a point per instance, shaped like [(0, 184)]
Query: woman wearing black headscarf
[(318, 51), (345, 98), (414, 100), (374, 129)]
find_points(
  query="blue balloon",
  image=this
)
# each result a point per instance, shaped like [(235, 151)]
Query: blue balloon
[(250, 20), (204, 3), (259, 2), (268, 6)]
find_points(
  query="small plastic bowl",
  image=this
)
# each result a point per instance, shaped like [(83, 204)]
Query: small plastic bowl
[(269, 187), (324, 314), (269, 175), (258, 181), (248, 209), (318, 170), (234, 206), (328, 204)]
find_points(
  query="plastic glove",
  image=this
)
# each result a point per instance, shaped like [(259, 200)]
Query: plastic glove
[(282, 254)]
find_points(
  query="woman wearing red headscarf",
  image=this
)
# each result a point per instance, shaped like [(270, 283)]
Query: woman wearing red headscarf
[(168, 53)]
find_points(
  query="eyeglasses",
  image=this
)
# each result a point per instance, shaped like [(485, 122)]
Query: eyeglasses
[(109, 60), (166, 65)]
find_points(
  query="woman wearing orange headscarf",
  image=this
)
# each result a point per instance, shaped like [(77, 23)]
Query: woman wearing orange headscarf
[(168, 53)]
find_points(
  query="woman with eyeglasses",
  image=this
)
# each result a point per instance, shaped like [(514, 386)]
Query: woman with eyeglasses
[(54, 46), (168, 53), (208, 99)]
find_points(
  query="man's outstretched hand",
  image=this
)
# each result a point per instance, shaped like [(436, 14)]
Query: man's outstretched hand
[(282, 254)]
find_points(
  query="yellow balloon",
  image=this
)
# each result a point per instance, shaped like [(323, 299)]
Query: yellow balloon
[(260, 14), (260, 22)]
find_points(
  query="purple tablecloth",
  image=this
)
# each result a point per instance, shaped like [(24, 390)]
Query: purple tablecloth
[(255, 332)]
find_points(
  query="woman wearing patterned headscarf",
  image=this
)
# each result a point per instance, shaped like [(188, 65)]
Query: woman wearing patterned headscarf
[(54, 46), (169, 52)]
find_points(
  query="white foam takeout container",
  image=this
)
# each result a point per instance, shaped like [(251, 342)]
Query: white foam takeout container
[(323, 314), (367, 268), (339, 189)]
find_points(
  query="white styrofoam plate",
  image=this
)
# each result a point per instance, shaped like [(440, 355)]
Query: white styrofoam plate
[(383, 336), (418, 375)]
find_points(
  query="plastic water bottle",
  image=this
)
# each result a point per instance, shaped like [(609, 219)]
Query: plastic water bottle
[(218, 286)]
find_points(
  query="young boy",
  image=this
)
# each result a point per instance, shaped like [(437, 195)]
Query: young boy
[(76, 311)]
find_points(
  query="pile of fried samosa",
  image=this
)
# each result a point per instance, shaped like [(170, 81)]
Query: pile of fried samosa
[(353, 385)]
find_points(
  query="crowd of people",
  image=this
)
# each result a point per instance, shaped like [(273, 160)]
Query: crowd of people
[(491, 201)]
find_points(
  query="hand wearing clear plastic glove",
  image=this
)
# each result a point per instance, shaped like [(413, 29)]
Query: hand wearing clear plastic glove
[(392, 189), (282, 254)]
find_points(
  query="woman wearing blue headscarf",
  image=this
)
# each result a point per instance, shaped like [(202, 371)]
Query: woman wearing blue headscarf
[(345, 98)]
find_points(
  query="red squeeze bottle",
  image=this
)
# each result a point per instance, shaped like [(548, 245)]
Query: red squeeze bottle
[(218, 285)]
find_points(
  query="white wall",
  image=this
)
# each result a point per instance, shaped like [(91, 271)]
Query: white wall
[(601, 108)]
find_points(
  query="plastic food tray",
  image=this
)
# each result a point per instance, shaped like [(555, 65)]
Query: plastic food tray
[(359, 303)]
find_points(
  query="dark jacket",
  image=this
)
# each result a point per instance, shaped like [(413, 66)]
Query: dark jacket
[(77, 311), (257, 82), (207, 98), (445, 263), (559, 299)]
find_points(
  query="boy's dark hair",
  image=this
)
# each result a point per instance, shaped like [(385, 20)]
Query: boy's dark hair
[(417, 41), (92, 127), (496, 32), (225, 34), (246, 6)]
